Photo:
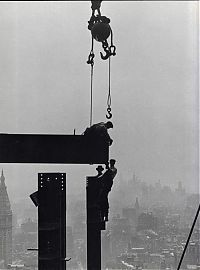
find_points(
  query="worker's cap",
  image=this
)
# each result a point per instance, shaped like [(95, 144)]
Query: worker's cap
[(112, 161), (109, 124), (99, 168)]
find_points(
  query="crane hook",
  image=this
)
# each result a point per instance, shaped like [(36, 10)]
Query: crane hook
[(106, 56), (109, 115), (106, 50)]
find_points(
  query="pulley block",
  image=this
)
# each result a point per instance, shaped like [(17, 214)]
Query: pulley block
[(101, 31)]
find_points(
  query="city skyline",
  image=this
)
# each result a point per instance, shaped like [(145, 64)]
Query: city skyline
[(148, 231)]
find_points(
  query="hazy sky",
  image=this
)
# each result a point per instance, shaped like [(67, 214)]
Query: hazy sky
[(45, 85)]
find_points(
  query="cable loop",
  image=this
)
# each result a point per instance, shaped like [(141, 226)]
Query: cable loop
[(112, 47), (91, 56)]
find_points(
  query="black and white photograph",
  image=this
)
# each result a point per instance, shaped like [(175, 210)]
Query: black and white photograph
[(99, 135)]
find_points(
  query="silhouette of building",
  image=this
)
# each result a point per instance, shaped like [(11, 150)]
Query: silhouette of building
[(137, 206), (180, 191), (120, 235), (5, 224), (132, 214), (147, 221)]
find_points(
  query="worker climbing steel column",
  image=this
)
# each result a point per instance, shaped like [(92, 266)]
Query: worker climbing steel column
[(106, 184), (103, 183), (97, 189)]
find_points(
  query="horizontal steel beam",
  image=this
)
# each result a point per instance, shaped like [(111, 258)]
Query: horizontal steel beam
[(48, 148)]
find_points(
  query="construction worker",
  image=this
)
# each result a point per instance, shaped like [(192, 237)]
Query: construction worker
[(99, 170), (113, 168), (106, 185), (100, 130), (93, 185)]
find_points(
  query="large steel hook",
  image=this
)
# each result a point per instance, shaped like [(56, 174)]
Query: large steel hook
[(109, 115), (107, 55), (106, 50)]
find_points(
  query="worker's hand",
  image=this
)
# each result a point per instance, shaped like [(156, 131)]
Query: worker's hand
[(111, 141), (107, 166)]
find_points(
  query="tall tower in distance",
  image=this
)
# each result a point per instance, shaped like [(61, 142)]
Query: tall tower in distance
[(137, 206), (5, 225)]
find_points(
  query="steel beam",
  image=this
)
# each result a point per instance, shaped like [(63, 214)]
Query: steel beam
[(57, 149)]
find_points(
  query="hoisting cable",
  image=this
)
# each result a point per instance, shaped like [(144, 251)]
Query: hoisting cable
[(109, 100), (112, 47), (187, 242), (112, 51), (91, 94), (91, 62)]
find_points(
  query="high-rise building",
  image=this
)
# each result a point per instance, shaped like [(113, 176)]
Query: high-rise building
[(5, 224)]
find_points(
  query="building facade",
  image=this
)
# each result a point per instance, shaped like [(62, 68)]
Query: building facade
[(5, 225)]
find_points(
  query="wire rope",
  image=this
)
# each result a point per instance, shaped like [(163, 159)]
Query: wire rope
[(109, 100), (91, 94)]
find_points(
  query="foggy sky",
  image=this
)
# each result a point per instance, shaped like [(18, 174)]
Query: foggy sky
[(45, 85)]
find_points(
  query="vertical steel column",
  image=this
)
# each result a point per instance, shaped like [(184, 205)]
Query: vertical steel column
[(94, 225), (52, 221), (93, 248)]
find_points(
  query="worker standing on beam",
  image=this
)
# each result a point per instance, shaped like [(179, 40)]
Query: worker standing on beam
[(100, 130)]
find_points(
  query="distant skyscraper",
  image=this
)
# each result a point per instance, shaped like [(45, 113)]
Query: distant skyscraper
[(5, 224), (137, 206)]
